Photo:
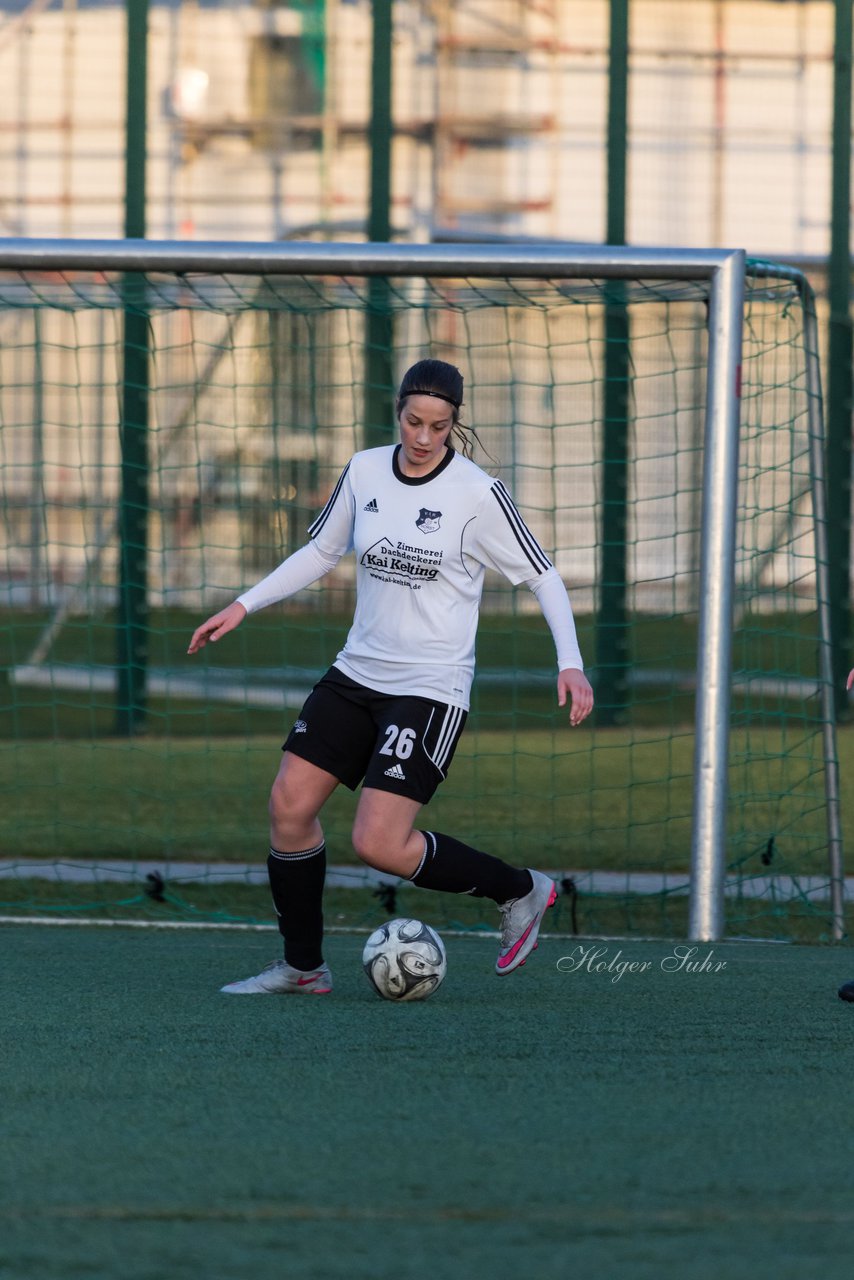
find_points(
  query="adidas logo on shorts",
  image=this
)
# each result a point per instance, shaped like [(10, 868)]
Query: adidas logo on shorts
[(396, 772), (371, 506)]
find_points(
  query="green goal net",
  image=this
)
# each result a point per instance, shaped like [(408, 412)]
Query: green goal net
[(166, 439)]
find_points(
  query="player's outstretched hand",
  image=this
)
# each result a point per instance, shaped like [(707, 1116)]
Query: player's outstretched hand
[(217, 626), (850, 680), (574, 686)]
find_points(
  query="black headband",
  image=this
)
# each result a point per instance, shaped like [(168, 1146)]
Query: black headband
[(422, 391)]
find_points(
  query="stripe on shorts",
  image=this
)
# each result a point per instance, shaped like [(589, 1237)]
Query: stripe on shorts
[(447, 736)]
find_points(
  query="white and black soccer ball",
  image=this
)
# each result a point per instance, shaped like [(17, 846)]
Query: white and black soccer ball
[(404, 960)]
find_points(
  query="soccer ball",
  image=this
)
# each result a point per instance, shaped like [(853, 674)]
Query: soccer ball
[(404, 960)]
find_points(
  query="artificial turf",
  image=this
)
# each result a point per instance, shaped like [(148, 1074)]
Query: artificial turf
[(660, 1124)]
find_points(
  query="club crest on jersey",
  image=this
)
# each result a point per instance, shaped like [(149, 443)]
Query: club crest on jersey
[(428, 521)]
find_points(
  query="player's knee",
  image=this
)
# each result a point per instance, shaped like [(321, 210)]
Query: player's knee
[(276, 805), (364, 842), (288, 808), (371, 846)]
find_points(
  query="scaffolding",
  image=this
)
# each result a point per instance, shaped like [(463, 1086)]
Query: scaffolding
[(259, 119), (497, 115)]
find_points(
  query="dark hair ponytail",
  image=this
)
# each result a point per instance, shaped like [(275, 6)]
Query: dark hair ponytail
[(443, 380)]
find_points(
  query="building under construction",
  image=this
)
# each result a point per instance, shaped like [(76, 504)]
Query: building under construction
[(259, 119)]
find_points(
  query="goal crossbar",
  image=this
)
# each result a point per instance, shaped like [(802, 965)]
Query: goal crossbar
[(313, 258)]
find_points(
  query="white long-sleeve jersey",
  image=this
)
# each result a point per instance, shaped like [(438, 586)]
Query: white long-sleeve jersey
[(421, 546)]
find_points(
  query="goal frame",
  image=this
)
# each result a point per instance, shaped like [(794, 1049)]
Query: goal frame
[(725, 272)]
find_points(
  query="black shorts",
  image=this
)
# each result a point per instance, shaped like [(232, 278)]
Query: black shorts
[(401, 745)]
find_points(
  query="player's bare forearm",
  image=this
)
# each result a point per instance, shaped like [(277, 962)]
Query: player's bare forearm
[(217, 626), (574, 687)]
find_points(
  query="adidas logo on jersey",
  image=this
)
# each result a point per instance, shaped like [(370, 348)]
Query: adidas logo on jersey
[(396, 772), (371, 506)]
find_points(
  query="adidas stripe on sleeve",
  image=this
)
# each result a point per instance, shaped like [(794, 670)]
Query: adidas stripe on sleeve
[(500, 539), (532, 550), (333, 528), (331, 538)]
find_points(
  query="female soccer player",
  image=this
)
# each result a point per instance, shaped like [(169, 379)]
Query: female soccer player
[(424, 521)]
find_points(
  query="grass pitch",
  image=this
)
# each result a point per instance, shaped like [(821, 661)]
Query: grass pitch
[(658, 1124)]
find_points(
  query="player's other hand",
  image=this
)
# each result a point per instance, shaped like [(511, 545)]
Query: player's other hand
[(574, 687), (850, 680), (217, 626)]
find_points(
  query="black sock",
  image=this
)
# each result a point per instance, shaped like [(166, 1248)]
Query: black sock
[(296, 881), (454, 867)]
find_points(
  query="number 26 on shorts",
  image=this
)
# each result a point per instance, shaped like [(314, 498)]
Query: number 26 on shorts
[(398, 742)]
